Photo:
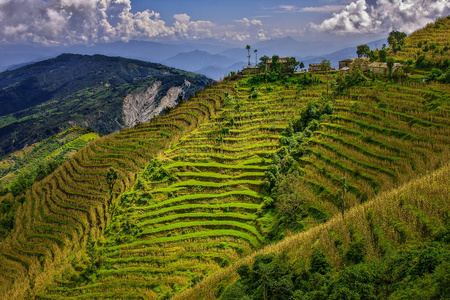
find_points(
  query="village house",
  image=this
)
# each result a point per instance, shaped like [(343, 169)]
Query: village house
[(282, 60), (247, 70), (347, 64), (319, 67), (315, 68), (381, 68)]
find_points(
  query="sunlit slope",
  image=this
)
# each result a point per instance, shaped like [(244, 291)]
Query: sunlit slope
[(65, 211), (392, 221), (432, 41), (56, 147), (201, 206)]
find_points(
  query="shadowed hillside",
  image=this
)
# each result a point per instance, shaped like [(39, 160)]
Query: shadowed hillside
[(45, 98)]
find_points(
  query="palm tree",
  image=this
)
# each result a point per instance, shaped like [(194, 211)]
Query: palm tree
[(256, 57), (248, 49)]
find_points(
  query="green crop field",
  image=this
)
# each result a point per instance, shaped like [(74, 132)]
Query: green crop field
[(166, 208)]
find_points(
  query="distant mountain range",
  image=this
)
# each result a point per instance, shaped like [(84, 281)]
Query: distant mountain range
[(211, 58)]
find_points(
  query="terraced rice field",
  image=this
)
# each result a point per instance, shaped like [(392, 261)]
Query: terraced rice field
[(189, 199), (206, 212), (377, 138), (65, 211), (432, 41), (61, 145)]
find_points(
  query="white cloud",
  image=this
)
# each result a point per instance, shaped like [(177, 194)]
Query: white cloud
[(76, 21), (296, 9), (261, 36), (90, 21), (325, 8), (182, 18), (248, 22), (288, 7), (385, 15)]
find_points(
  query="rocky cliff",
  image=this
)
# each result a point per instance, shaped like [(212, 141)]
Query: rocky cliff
[(144, 105)]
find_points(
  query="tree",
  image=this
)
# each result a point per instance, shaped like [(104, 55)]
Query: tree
[(390, 65), (292, 64), (325, 66), (256, 57), (292, 193), (396, 40), (263, 64), (276, 66), (435, 73), (373, 56), (248, 50), (111, 178), (302, 65), (363, 50), (382, 54)]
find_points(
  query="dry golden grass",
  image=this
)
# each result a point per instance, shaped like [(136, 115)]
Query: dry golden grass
[(437, 33), (428, 194), (70, 204)]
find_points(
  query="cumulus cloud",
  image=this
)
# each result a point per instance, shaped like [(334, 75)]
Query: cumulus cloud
[(76, 21), (248, 22), (65, 22), (383, 16)]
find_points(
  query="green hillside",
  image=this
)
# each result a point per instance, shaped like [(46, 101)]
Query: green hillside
[(57, 147), (48, 97), (203, 201), (336, 178), (430, 45), (394, 247), (20, 169)]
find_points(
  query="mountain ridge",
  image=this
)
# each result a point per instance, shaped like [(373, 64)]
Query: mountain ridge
[(47, 97)]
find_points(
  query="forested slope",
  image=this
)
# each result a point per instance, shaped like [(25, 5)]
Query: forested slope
[(48, 97)]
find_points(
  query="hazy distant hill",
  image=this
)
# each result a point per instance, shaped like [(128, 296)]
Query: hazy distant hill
[(195, 60), (45, 98), (212, 62), (335, 57)]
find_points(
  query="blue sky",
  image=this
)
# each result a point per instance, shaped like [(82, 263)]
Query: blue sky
[(66, 22), (225, 12)]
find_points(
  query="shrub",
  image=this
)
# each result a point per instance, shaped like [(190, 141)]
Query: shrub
[(355, 254), (434, 73), (226, 130), (229, 101), (319, 263)]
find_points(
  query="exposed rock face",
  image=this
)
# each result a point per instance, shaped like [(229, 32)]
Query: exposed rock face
[(147, 104)]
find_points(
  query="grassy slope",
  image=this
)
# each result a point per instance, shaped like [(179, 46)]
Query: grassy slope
[(417, 208), (379, 136), (68, 209), (169, 234), (437, 34), (62, 145)]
